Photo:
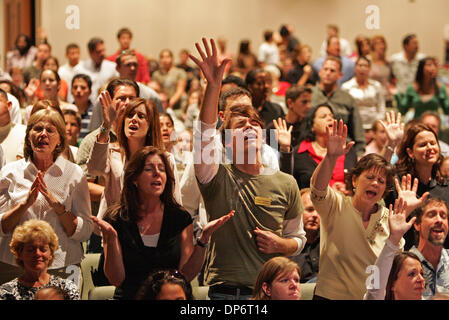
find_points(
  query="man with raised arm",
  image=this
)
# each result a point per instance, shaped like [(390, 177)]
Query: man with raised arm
[(267, 203)]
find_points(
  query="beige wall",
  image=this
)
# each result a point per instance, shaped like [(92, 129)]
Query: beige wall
[(176, 24), (2, 37)]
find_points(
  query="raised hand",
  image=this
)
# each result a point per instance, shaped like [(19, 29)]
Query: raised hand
[(407, 192), (283, 135), (108, 108), (398, 221), (31, 87), (214, 225), (107, 231), (209, 64), (394, 128), (336, 139)]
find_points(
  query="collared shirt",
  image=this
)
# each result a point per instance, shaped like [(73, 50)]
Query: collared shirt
[(100, 76), (345, 108), (68, 185), (403, 70), (436, 281), (370, 100), (15, 60)]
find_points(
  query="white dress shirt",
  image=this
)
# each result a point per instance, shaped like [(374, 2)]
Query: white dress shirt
[(68, 185)]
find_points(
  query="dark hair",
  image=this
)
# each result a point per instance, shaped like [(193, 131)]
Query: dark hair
[(4, 94), (406, 164), (166, 114), (283, 31), (129, 205), (244, 47), (153, 136), (407, 39), (123, 31), (252, 75), (58, 78), (306, 132), (330, 38), (420, 210), (114, 83), (152, 286), (85, 77), (395, 268), (50, 58), (27, 40), (122, 54), (419, 77), (336, 59), (71, 46), (232, 92), (73, 113), (368, 162), (239, 110), (359, 42), (268, 35), (363, 58), (238, 81), (295, 91), (92, 44)]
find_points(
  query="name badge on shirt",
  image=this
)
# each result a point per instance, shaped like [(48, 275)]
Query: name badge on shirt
[(261, 201)]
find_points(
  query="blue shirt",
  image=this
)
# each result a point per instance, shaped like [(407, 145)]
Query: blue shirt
[(436, 282), (347, 68)]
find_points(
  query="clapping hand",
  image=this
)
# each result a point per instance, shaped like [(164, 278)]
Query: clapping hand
[(283, 135), (397, 221), (394, 128), (407, 192), (209, 64), (336, 139)]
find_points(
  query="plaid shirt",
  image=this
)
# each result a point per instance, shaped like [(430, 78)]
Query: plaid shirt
[(436, 282)]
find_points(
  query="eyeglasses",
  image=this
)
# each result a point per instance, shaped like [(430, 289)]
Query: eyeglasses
[(167, 274)]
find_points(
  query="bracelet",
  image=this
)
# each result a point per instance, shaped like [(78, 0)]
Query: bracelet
[(390, 148), (202, 245), (104, 130), (61, 214)]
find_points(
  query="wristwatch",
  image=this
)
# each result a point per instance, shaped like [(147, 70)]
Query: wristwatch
[(104, 130), (202, 245)]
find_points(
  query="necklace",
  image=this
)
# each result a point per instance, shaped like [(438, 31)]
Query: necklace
[(318, 148)]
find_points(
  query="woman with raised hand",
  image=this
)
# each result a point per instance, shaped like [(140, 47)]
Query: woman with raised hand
[(399, 274), (137, 126), (353, 228), (149, 230), (420, 162)]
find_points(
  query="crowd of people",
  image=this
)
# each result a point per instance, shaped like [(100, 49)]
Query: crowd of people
[(251, 173)]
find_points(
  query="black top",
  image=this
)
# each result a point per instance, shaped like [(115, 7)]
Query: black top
[(308, 260), (296, 73), (304, 166), (436, 190), (140, 260)]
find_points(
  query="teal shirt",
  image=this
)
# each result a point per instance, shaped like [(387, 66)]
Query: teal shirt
[(411, 99)]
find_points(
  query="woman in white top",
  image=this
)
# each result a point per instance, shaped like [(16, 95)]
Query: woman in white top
[(45, 186), (138, 126)]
